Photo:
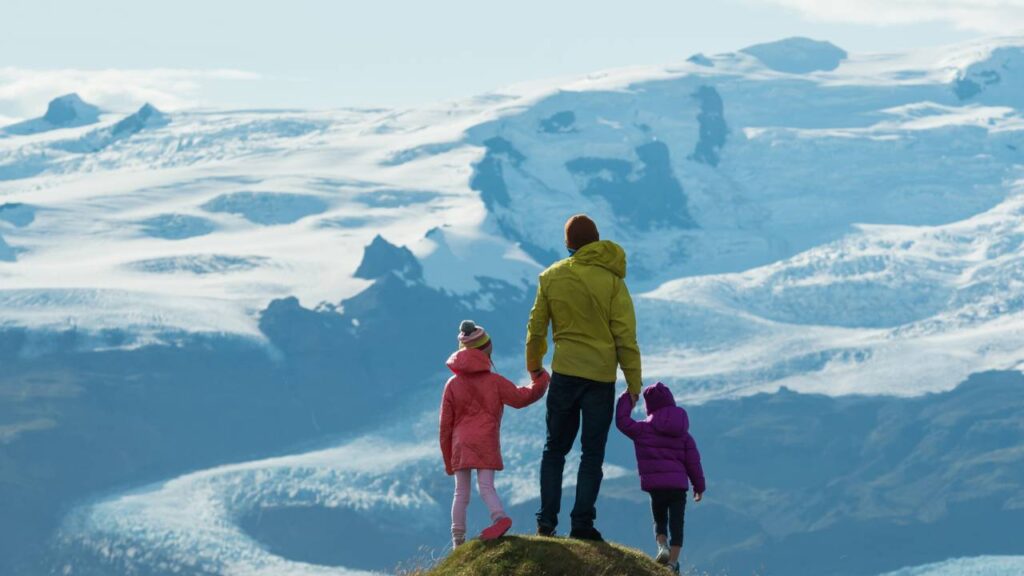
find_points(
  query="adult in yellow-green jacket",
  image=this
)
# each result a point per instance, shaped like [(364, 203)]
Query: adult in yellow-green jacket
[(585, 300)]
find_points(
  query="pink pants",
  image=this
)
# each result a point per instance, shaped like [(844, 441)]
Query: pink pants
[(485, 485)]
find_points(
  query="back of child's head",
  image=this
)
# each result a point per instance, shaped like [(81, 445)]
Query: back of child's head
[(657, 396), (473, 336)]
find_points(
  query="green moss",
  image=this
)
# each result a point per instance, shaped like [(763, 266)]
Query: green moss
[(535, 556)]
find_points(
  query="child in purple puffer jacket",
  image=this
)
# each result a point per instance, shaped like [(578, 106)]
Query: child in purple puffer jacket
[(668, 462)]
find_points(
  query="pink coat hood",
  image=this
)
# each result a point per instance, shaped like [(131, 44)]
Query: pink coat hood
[(469, 361)]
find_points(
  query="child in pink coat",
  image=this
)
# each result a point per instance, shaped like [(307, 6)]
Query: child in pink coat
[(474, 400)]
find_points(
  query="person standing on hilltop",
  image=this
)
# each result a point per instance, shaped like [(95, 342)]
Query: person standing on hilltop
[(669, 464), (585, 300), (472, 406)]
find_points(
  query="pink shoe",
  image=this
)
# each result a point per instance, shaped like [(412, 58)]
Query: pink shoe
[(496, 530)]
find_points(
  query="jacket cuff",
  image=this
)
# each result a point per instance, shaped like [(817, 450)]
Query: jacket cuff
[(624, 406)]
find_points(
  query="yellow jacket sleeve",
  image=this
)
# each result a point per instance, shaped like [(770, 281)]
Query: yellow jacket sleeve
[(623, 326), (537, 331)]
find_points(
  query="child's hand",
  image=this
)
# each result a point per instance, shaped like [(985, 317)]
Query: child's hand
[(698, 496)]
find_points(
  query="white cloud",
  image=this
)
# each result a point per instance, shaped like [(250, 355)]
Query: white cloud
[(25, 92), (988, 16)]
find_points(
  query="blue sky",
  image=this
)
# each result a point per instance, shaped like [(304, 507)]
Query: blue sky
[(323, 54)]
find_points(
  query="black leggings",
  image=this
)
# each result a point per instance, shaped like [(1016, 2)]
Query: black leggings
[(669, 509)]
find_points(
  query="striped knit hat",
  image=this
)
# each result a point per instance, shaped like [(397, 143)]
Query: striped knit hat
[(473, 336)]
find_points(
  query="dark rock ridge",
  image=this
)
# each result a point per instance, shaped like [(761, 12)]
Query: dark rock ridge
[(559, 123), (489, 180), (713, 129), (644, 195), (995, 80), (146, 117), (382, 257), (68, 111), (358, 337), (7, 253), (700, 60), (268, 208), (488, 174), (798, 55), (17, 214), (967, 86), (176, 226)]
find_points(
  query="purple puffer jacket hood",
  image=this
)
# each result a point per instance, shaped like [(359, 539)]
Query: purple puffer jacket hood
[(666, 453), (666, 422)]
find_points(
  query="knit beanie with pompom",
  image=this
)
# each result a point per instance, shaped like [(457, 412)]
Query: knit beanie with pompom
[(473, 336)]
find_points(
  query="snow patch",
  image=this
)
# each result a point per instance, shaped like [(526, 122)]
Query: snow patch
[(977, 566), (454, 259)]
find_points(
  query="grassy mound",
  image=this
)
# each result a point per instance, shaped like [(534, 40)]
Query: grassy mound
[(535, 556)]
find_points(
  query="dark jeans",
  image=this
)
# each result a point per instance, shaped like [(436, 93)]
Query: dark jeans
[(669, 509), (571, 399)]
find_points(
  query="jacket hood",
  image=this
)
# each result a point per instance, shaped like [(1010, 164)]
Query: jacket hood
[(603, 253), (662, 412), (469, 361)]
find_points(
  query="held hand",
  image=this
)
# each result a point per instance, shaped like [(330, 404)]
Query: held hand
[(540, 378), (698, 496), (634, 398)]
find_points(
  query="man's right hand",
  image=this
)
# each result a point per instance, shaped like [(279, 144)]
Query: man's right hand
[(634, 397)]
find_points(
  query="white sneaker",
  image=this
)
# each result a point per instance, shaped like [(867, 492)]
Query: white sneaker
[(663, 552), (674, 568)]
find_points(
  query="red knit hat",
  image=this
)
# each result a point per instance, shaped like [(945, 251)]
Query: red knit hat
[(580, 230)]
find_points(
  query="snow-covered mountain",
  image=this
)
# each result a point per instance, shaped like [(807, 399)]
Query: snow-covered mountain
[(795, 216), (196, 221), (887, 309)]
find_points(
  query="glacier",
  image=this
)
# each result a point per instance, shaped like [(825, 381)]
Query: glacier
[(981, 566)]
